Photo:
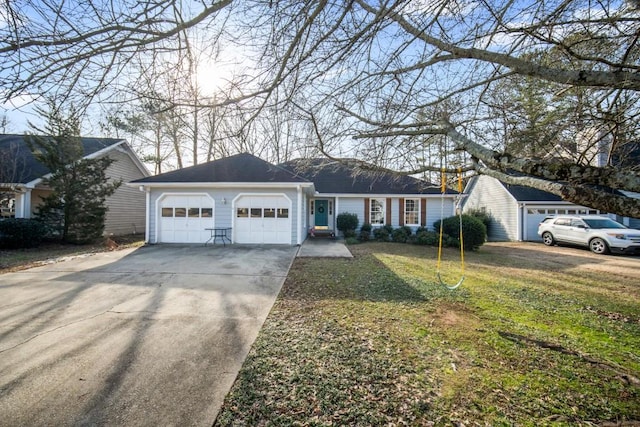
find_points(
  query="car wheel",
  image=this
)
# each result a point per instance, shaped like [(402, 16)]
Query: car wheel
[(547, 239), (598, 246)]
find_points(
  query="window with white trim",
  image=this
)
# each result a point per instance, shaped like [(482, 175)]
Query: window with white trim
[(412, 211), (376, 211)]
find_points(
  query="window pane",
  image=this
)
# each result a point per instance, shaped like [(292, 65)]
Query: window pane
[(269, 213), (283, 213), (256, 213), (181, 212), (167, 212), (377, 212), (242, 213), (411, 211), (194, 212), (207, 212)]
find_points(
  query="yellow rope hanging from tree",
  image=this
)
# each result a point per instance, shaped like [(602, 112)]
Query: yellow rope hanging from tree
[(443, 190)]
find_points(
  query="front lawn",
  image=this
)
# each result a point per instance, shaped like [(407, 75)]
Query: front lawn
[(530, 338)]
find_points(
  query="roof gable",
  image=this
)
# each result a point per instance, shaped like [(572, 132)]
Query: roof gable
[(26, 168), (240, 168), (332, 177)]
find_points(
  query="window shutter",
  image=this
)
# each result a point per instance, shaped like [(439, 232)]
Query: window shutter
[(387, 219), (401, 200), (367, 205), (423, 212)]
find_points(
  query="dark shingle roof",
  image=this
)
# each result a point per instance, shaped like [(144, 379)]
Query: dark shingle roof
[(242, 167), (331, 177), (527, 194), (25, 167)]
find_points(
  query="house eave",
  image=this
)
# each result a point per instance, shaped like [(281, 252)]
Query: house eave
[(384, 195), (143, 169), (221, 184)]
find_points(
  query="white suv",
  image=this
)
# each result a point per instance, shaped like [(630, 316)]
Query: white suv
[(598, 233)]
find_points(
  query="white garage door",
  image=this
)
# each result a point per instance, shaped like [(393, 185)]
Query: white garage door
[(184, 218), (262, 219), (534, 217)]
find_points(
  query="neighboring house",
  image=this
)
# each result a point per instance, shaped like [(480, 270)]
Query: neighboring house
[(267, 204), (516, 210), (22, 181)]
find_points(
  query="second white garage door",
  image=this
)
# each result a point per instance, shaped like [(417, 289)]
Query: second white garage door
[(262, 220)]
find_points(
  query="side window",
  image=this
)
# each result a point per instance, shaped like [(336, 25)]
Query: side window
[(562, 221)]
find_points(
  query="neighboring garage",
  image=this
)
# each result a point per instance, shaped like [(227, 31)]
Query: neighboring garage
[(515, 210), (254, 201), (533, 216)]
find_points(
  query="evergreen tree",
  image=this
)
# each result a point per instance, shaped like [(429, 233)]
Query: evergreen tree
[(75, 211)]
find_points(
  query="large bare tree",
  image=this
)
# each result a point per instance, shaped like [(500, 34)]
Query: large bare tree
[(386, 80), (385, 76)]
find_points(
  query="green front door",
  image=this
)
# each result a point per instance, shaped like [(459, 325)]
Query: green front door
[(322, 213)]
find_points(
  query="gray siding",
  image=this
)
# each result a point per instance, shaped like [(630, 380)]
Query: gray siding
[(127, 205), (351, 205), (489, 194), (434, 207), (356, 205)]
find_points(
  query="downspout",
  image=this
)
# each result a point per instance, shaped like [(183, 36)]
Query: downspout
[(521, 225), (299, 216), (147, 210)]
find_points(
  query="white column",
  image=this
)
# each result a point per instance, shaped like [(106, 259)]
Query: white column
[(299, 217)]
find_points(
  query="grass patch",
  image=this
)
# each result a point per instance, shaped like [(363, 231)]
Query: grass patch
[(375, 341), (20, 259)]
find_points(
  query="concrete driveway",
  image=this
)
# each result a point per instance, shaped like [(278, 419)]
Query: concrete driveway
[(153, 336)]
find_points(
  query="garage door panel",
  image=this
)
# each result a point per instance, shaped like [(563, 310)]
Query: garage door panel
[(262, 219), (184, 218)]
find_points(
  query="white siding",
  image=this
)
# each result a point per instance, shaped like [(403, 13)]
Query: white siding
[(490, 195), (127, 205)]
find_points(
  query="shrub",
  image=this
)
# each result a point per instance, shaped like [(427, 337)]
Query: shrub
[(347, 223), (428, 238), (473, 230), (408, 229), (421, 229), (351, 241), (481, 215), (389, 228), (381, 234), (399, 235), (365, 232), (20, 233), (349, 233)]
